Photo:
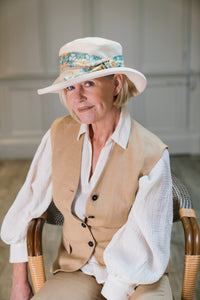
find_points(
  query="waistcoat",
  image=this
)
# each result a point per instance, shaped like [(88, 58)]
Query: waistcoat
[(109, 204)]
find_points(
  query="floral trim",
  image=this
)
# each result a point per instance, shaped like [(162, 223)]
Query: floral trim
[(80, 63)]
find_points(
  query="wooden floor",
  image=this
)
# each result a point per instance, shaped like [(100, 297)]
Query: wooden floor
[(12, 175)]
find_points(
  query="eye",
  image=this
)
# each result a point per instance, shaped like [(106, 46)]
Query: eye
[(70, 88), (89, 83)]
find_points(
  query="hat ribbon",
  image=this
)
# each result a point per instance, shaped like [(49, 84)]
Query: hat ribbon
[(81, 63)]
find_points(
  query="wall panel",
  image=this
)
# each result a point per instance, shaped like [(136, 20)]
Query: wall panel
[(162, 108), (53, 109), (160, 38), (30, 121), (4, 109), (120, 21), (64, 20), (164, 39), (195, 35), (20, 51)]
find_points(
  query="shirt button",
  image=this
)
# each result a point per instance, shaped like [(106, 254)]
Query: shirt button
[(91, 217), (94, 197), (83, 225), (91, 244)]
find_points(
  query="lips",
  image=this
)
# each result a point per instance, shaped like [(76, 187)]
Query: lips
[(85, 108)]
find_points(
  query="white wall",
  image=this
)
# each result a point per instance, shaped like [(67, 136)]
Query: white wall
[(160, 38)]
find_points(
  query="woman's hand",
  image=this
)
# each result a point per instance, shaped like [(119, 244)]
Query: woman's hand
[(21, 289)]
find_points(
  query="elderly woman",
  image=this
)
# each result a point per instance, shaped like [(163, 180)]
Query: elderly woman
[(110, 178)]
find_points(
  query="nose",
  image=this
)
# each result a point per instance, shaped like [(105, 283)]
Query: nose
[(80, 95)]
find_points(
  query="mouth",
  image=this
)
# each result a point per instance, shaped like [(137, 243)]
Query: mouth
[(85, 108)]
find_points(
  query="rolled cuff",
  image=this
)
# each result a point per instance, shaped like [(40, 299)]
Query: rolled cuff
[(18, 252), (114, 289)]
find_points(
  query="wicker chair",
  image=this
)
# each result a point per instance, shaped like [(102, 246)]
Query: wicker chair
[(183, 210)]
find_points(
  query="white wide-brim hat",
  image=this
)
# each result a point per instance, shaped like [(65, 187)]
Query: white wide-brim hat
[(92, 57)]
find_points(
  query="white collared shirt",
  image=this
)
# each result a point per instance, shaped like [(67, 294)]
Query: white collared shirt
[(86, 184), (139, 251)]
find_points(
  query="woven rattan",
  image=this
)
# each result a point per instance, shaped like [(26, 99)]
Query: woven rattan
[(36, 265), (186, 212), (181, 197), (191, 263), (54, 216)]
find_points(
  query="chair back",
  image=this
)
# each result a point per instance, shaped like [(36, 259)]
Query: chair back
[(54, 216), (181, 197)]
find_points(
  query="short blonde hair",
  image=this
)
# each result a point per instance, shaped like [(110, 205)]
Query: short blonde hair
[(127, 91)]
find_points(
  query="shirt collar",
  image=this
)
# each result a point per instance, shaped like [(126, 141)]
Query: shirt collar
[(122, 131), (82, 130)]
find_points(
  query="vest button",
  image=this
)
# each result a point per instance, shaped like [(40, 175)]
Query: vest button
[(94, 197), (91, 244), (83, 225)]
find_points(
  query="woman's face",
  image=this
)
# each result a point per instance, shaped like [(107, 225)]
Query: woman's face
[(92, 101)]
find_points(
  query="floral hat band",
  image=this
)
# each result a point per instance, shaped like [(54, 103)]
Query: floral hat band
[(80, 63), (89, 58)]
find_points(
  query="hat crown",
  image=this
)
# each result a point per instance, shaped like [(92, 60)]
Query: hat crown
[(89, 58), (93, 45)]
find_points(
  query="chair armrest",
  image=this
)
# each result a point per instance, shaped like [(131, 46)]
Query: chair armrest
[(30, 237), (34, 244), (192, 257), (183, 210), (196, 236), (38, 236), (35, 256), (192, 253)]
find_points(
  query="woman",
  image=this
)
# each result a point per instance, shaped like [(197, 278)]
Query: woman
[(110, 178)]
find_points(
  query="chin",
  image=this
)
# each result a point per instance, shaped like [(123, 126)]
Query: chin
[(87, 120)]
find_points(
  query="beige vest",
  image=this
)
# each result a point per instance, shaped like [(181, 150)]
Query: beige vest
[(109, 204)]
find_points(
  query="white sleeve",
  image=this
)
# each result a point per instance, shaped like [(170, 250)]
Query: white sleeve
[(32, 200), (139, 251)]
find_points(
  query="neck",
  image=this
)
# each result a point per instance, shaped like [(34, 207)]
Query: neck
[(102, 130)]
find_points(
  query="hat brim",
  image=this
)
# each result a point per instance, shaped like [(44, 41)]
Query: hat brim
[(60, 83)]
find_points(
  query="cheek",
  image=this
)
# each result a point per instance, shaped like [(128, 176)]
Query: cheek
[(105, 96), (108, 100), (70, 101)]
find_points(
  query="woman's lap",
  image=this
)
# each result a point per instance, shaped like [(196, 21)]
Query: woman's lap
[(79, 286), (75, 286)]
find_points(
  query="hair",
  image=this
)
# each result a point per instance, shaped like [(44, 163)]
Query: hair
[(127, 91)]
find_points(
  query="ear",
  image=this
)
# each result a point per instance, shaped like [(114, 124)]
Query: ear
[(118, 82)]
